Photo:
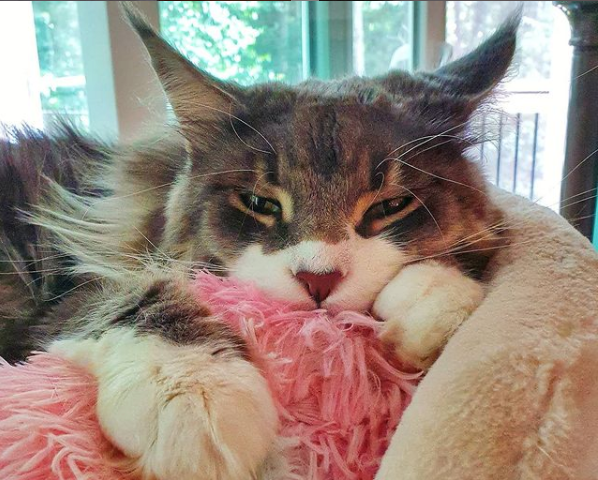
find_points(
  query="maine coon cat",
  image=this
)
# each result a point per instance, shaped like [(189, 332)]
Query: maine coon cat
[(352, 194)]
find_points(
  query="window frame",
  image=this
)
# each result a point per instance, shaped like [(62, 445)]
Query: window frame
[(115, 83), (117, 78), (328, 36)]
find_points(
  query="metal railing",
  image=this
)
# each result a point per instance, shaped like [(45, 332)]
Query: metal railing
[(510, 157)]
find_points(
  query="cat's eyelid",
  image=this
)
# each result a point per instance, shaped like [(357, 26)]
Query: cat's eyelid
[(372, 198), (377, 225), (380, 223), (269, 192), (282, 196), (235, 201)]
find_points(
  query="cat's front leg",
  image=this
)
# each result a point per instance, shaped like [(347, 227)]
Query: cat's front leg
[(422, 307), (176, 391)]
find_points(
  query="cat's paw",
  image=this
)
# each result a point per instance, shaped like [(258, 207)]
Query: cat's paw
[(422, 307), (180, 412)]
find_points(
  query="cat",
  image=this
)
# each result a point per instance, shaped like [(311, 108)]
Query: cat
[(353, 194)]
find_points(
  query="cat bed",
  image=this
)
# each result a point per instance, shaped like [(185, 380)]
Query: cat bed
[(338, 393), (513, 396)]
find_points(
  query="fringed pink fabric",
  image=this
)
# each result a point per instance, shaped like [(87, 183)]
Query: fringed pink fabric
[(339, 395), (48, 426)]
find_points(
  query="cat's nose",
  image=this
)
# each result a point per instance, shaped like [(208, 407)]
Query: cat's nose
[(319, 285)]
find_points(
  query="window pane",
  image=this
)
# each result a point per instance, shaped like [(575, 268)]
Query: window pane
[(19, 83), (241, 41), (528, 130), (382, 37), (62, 80)]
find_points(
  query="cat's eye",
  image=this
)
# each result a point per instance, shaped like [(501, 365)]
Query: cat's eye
[(261, 205), (389, 207)]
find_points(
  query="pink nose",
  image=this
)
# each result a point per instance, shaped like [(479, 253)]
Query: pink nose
[(318, 285)]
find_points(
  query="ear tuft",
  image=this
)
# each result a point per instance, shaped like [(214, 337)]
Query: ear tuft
[(476, 74), (136, 19), (196, 96)]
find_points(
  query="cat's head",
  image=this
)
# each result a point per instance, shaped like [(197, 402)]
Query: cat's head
[(321, 192)]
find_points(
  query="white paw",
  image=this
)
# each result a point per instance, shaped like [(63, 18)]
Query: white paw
[(422, 307), (179, 412)]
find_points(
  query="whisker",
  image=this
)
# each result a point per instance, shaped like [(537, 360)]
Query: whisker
[(431, 137), (242, 121), (378, 192), (232, 125), (571, 171), (428, 149), (28, 272), (70, 290), (465, 242), (38, 260), (566, 205), (192, 177), (497, 247), (429, 212), (586, 72), (437, 176), (15, 264), (577, 219)]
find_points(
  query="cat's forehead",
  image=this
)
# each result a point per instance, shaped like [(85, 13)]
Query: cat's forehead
[(325, 162), (328, 144), (344, 128), (345, 116)]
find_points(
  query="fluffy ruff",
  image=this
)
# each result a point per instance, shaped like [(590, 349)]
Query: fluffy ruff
[(339, 394)]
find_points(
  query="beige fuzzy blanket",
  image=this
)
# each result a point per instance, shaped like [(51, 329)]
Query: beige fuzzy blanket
[(515, 393)]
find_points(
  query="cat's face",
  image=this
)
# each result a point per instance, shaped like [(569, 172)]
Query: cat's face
[(326, 193), (320, 193)]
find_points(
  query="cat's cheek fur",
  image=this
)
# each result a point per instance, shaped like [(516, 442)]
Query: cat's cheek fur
[(271, 273), (422, 307), (178, 412), (366, 265)]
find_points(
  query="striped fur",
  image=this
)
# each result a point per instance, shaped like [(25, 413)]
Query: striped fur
[(33, 273)]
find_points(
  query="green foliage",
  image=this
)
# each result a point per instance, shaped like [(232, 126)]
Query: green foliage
[(242, 41), (60, 60), (386, 29), (260, 41), (245, 41)]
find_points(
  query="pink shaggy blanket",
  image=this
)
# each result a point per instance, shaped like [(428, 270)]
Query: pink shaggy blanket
[(339, 395)]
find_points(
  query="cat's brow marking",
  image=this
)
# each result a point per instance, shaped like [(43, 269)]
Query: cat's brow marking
[(363, 204), (286, 201), (268, 189), (367, 200)]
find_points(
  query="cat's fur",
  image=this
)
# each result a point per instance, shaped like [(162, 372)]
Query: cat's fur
[(97, 242)]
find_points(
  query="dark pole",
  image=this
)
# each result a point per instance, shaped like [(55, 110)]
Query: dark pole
[(580, 172)]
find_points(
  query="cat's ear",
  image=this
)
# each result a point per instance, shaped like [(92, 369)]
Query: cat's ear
[(475, 75), (195, 96), (456, 90)]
